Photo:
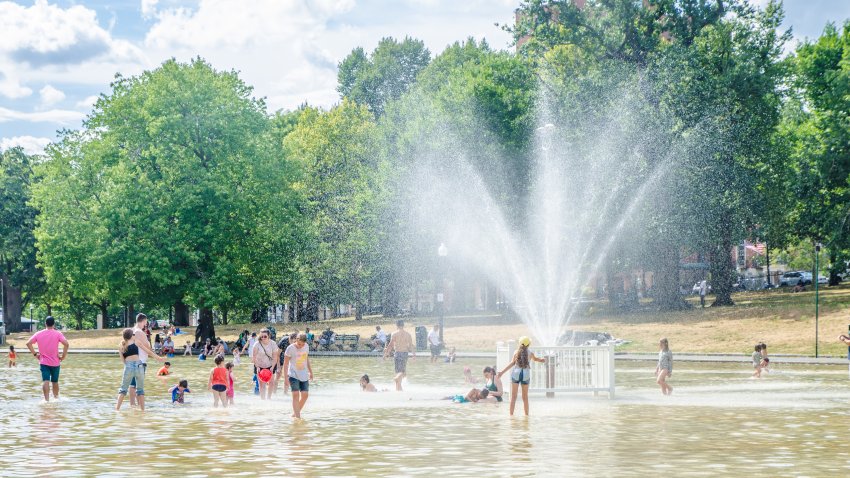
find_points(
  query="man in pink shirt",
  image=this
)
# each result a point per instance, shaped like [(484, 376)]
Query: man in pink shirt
[(48, 341)]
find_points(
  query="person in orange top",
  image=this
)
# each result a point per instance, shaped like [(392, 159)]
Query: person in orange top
[(13, 357), (218, 382), (164, 369)]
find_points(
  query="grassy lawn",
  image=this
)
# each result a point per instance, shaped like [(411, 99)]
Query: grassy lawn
[(783, 320)]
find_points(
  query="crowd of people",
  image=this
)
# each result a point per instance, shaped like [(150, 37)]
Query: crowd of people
[(271, 359)]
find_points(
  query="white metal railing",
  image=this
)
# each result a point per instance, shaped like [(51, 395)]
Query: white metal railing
[(587, 368)]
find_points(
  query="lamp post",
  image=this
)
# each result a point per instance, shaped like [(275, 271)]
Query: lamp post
[(815, 278), (442, 253), (31, 322), (3, 301)]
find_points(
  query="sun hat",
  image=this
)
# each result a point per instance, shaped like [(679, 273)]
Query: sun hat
[(265, 375), (524, 341)]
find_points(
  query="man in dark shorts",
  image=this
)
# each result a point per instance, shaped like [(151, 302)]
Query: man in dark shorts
[(401, 343), (434, 343), (48, 341), (145, 351)]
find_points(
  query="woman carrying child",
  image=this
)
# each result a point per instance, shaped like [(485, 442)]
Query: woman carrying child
[(520, 368), (133, 369)]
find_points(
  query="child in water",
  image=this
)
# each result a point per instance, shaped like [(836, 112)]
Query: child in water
[(521, 373), (187, 350), (473, 396), (13, 357), (178, 391), (366, 384), (229, 368), (467, 375), (664, 369), (164, 370), (757, 361), (450, 357), (218, 382), (236, 355)]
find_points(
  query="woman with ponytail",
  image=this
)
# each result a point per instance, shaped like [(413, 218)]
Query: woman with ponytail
[(521, 373)]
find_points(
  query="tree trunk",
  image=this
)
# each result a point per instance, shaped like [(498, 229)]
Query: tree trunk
[(131, 315), (223, 316), (206, 328), (291, 309), (181, 314), (78, 317), (390, 299), (665, 283), (12, 307), (49, 308), (104, 312), (312, 306), (723, 267)]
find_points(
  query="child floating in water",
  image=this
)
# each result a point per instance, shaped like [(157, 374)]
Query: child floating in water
[(178, 391), (13, 357), (473, 396), (664, 369), (521, 372), (366, 384)]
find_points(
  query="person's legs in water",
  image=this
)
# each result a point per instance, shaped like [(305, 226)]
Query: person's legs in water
[(514, 389), (45, 389), (525, 398)]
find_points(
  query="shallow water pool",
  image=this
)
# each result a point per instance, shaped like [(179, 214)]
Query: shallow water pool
[(718, 422)]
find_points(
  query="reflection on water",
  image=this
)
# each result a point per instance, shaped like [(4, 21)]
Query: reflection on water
[(718, 422)]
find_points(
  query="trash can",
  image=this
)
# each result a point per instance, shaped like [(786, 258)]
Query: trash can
[(421, 337)]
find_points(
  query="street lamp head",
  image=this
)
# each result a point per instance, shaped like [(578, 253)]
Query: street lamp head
[(442, 251)]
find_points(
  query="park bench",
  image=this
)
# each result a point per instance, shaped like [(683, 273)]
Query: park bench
[(351, 341)]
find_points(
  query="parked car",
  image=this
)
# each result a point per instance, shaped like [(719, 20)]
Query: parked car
[(823, 279), (790, 279)]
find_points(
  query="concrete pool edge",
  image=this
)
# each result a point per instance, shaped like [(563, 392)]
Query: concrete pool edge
[(624, 356)]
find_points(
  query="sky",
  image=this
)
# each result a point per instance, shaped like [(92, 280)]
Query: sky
[(56, 57)]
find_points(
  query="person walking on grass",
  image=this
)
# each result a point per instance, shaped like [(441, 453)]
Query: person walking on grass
[(129, 353), (48, 356), (401, 344), (520, 368), (296, 362), (703, 289), (664, 369)]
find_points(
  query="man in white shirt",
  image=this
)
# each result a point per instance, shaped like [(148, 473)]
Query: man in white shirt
[(380, 339), (434, 343), (703, 289)]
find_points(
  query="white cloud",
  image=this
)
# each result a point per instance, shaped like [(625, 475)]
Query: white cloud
[(149, 8), (44, 34), (63, 117), (11, 88), (30, 144), (87, 102), (50, 96)]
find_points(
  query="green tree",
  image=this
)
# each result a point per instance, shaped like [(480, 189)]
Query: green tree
[(22, 280), (342, 181), (384, 75)]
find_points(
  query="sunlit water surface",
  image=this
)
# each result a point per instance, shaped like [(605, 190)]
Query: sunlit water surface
[(795, 422)]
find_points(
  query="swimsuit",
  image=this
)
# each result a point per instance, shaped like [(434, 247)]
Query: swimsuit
[(177, 395), (493, 388), (401, 362), (219, 379)]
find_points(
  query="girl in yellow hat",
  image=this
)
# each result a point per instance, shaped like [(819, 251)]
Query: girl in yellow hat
[(521, 373)]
